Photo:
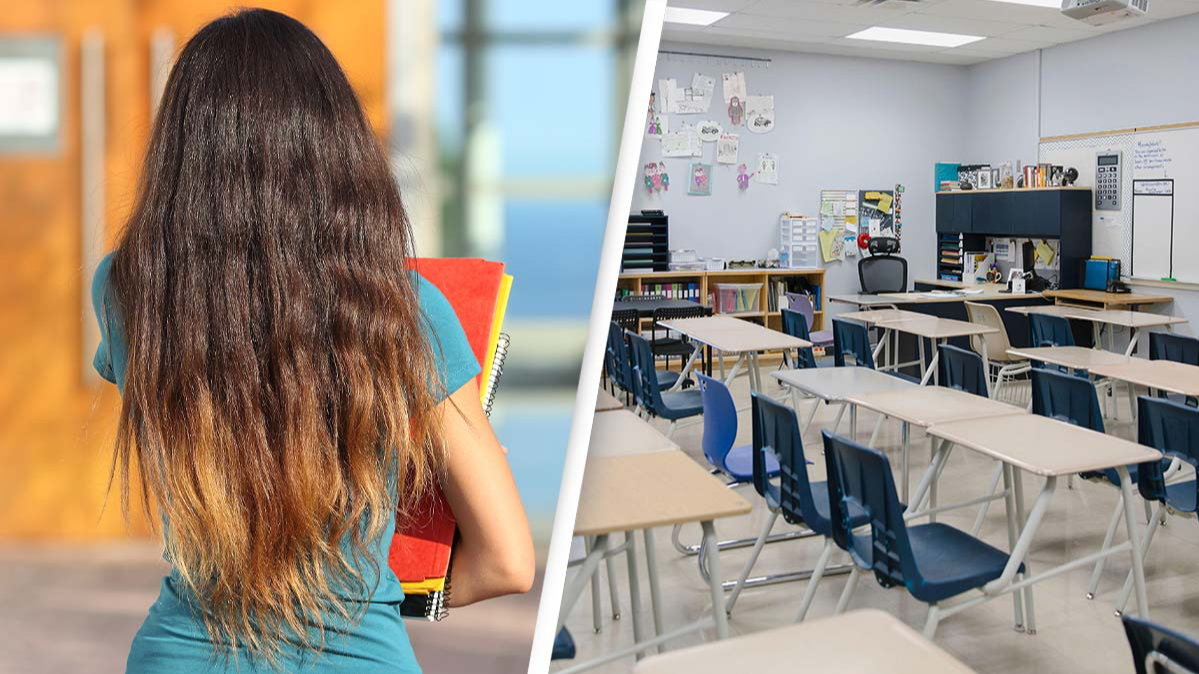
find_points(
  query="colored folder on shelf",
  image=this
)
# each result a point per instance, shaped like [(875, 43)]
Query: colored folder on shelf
[(420, 552)]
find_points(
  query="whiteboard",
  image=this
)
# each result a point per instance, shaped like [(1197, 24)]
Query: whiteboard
[(1151, 243)]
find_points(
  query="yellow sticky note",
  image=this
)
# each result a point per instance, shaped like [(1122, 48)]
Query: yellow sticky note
[(1045, 252), (873, 196), (884, 202), (851, 219)]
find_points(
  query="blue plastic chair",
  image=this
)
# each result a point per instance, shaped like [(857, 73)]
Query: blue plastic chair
[(672, 405), (564, 646), (1157, 649), (622, 358), (933, 561), (796, 325), (799, 500), (1178, 349), (1050, 330), (961, 370), (1172, 428), (720, 432), (850, 338)]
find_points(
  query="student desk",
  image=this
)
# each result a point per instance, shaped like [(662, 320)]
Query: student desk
[(836, 385), (606, 402), (863, 300), (621, 432), (641, 492), (733, 336), (1134, 321), (1105, 300), (859, 642), (925, 407), (872, 318), (646, 308), (1163, 375), (1079, 358), (938, 331), (937, 297), (1050, 449)]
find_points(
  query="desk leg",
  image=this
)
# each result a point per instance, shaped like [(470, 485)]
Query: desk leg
[(853, 422), (755, 379), (634, 586), (940, 454), (655, 589), (923, 368), (719, 615), (574, 588), (987, 368), (596, 606), (686, 371), (1134, 537), (1030, 616), (1133, 336), (736, 369), (1009, 500), (878, 348)]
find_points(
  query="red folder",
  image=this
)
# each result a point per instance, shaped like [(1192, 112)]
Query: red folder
[(420, 552)]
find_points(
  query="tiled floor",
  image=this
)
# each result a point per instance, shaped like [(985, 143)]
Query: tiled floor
[(1074, 634), (76, 609)]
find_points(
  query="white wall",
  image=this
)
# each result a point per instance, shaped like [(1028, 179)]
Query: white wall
[(842, 123), (1002, 99), (1146, 80)]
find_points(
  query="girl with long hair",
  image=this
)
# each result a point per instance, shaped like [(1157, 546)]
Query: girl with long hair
[(289, 388)]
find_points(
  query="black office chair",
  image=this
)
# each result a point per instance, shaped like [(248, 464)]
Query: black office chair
[(883, 271), (668, 345)]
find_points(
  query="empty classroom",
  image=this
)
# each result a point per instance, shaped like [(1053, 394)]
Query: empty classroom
[(901, 373)]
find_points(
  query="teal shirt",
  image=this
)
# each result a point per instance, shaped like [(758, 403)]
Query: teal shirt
[(173, 641)]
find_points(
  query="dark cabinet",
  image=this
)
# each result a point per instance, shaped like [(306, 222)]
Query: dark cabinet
[(1063, 214)]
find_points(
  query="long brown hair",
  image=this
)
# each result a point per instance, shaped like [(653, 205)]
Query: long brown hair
[(279, 384)]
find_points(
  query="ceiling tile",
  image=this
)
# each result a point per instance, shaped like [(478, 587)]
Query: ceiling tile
[(1051, 34), (988, 10), (1006, 45), (713, 5), (950, 24), (799, 27), (819, 11)]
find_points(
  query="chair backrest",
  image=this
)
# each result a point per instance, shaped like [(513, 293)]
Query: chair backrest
[(799, 302), (720, 419), (795, 325), (864, 480), (851, 338), (1173, 429), (883, 274), (962, 370), (627, 319), (986, 314), (776, 430), (1066, 397), (616, 355), (672, 313), (1160, 650), (1177, 348), (645, 377), (1050, 330)]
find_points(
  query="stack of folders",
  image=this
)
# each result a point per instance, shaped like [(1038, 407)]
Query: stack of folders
[(420, 551)]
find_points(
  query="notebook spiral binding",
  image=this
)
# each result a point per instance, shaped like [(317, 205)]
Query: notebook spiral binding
[(497, 369)]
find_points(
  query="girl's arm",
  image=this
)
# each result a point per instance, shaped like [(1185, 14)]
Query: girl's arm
[(494, 555)]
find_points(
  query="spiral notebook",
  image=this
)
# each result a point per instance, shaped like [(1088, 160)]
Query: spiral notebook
[(420, 553)]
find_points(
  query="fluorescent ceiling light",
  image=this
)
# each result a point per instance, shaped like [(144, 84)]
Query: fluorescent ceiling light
[(1053, 4), (695, 17), (921, 37)]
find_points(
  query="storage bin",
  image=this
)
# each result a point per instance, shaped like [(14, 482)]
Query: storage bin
[(733, 298)]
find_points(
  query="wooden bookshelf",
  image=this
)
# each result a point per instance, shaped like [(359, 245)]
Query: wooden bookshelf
[(644, 282)]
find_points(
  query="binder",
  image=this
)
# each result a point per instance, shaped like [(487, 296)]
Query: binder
[(420, 553)]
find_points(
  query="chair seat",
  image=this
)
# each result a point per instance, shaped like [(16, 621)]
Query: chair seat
[(1183, 496), (667, 378), (739, 463), (681, 404), (952, 561), (821, 338)]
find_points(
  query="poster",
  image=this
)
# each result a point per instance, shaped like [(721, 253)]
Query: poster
[(657, 125), (666, 95), (767, 170), (876, 212), (733, 85), (697, 98), (699, 179), (759, 113), (832, 245), (676, 144), (709, 131), (695, 141), (727, 148)]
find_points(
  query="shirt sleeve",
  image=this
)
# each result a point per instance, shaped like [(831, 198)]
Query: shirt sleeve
[(103, 360), (453, 359)]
